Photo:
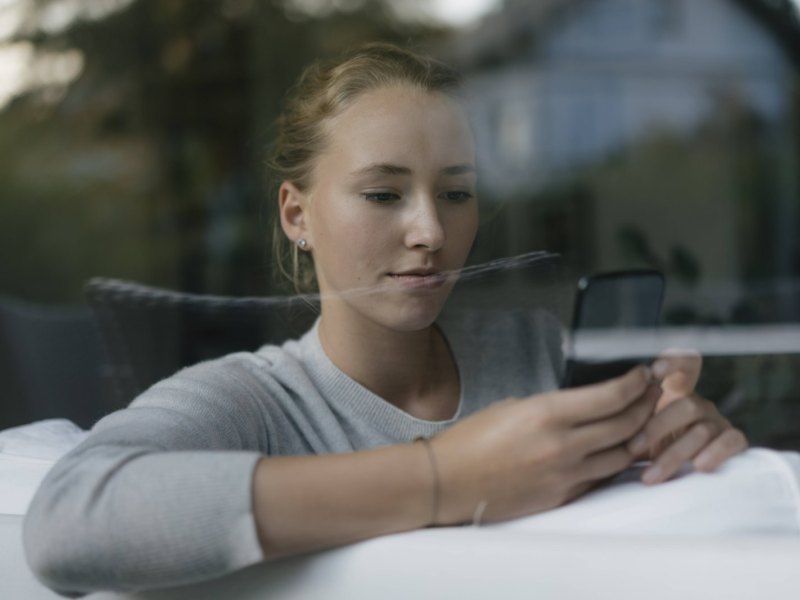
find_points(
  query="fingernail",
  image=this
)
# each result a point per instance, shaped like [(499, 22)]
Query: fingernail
[(638, 444), (652, 474), (659, 368)]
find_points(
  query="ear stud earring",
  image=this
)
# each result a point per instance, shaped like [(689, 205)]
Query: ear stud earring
[(302, 244)]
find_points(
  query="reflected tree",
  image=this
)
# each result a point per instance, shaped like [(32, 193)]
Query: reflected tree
[(152, 157)]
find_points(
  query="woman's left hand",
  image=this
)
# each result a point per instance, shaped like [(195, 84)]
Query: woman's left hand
[(685, 427)]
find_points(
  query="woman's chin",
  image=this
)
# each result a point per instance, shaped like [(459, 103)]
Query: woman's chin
[(412, 316)]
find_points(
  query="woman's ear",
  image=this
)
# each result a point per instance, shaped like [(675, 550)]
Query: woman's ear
[(292, 204)]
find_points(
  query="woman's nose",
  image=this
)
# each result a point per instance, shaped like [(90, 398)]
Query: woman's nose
[(424, 228)]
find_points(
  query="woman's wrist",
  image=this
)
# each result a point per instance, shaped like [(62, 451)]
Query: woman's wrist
[(436, 485)]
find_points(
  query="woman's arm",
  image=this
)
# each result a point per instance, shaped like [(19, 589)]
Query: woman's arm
[(517, 457), (159, 494), (172, 491), (304, 503)]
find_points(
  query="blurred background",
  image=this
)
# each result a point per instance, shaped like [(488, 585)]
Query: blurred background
[(616, 133)]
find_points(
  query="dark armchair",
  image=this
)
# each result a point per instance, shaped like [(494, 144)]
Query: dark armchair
[(50, 364), (150, 333)]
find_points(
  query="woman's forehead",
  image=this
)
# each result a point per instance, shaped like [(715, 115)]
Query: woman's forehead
[(388, 123), (389, 100)]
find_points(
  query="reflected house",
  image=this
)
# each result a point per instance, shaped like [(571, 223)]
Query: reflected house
[(559, 86)]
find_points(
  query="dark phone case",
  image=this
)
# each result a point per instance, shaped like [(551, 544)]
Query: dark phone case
[(582, 372)]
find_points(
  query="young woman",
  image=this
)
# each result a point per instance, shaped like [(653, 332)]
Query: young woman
[(387, 415)]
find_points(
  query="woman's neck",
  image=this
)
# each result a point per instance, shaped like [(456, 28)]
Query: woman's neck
[(414, 370)]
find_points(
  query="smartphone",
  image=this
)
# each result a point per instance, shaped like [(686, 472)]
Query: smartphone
[(616, 314)]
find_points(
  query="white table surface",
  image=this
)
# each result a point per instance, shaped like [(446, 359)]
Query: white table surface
[(468, 562), (464, 563)]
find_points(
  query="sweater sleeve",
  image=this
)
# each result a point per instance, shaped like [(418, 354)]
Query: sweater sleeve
[(160, 493)]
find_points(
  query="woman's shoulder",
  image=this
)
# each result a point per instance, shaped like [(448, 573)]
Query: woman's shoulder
[(237, 400), (233, 375)]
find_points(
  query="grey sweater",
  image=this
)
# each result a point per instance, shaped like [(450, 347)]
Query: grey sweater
[(160, 493)]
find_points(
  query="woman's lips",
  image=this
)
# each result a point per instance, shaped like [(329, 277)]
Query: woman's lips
[(428, 281)]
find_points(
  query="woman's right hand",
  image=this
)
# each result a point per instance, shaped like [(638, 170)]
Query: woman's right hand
[(522, 456)]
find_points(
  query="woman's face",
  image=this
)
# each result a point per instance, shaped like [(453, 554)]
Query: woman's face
[(392, 204)]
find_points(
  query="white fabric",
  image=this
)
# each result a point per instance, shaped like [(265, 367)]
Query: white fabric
[(19, 478), (754, 493), (46, 440), (466, 563), (26, 455)]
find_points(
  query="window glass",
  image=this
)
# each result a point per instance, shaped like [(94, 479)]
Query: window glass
[(611, 135)]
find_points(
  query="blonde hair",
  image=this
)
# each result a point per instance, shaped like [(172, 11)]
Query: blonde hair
[(322, 91)]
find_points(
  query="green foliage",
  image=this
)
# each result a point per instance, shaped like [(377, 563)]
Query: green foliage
[(149, 166)]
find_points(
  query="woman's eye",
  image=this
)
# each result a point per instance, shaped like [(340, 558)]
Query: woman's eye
[(457, 196), (380, 197)]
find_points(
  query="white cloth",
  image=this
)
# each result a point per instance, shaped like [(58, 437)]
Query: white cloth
[(26, 455), (754, 493), (45, 440)]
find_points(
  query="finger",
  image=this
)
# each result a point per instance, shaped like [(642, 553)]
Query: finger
[(680, 368), (685, 448), (729, 443), (617, 429), (674, 418), (593, 402), (577, 491), (602, 465)]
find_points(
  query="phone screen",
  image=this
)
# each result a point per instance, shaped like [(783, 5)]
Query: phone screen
[(614, 314)]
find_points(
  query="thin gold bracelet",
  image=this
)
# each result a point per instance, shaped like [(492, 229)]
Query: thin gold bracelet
[(435, 472)]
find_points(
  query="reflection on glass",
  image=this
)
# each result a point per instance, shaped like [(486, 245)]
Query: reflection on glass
[(616, 134)]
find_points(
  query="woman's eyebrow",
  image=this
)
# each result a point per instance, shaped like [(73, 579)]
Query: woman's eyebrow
[(383, 169), (390, 169), (458, 169)]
